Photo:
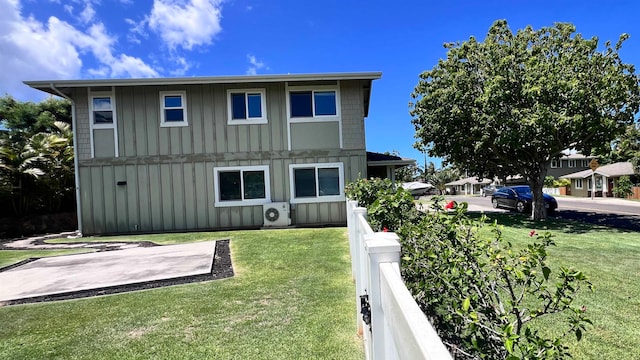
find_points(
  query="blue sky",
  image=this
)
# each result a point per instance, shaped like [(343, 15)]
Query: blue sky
[(73, 39)]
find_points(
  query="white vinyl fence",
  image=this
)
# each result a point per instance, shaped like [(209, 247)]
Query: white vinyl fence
[(391, 323)]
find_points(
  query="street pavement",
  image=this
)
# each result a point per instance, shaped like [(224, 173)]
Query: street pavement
[(71, 273), (611, 212)]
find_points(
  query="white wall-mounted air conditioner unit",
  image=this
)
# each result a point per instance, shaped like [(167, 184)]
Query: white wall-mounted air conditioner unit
[(276, 214)]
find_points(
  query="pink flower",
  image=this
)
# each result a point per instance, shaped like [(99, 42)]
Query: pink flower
[(532, 232), (384, 229), (450, 205), (584, 308)]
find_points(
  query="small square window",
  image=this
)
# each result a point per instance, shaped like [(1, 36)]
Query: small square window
[(325, 102), (173, 109), (305, 182), (301, 105), (102, 110), (246, 107), (328, 181)]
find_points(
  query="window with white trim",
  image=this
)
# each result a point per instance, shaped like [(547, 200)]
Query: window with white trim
[(585, 163), (241, 185), (102, 111), (572, 163), (173, 108), (555, 163), (320, 182), (578, 183), (246, 106), (321, 103)]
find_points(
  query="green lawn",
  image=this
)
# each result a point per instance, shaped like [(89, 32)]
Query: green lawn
[(9, 257), (292, 297), (611, 259)]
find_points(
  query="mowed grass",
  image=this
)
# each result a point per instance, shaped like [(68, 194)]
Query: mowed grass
[(611, 260), (10, 257), (292, 297)]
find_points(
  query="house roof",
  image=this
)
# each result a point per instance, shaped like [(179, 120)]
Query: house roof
[(378, 159), (470, 180), (576, 156), (609, 170), (64, 87)]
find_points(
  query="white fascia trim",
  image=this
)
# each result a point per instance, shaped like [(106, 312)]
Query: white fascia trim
[(183, 95), (45, 84), (247, 121), (317, 198), (250, 202), (115, 122), (287, 104)]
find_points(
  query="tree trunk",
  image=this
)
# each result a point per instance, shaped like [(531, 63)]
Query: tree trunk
[(536, 183)]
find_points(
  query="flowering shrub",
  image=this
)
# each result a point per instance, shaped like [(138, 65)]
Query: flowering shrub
[(483, 296), (388, 207)]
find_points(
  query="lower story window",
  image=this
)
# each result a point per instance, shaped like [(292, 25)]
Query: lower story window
[(578, 183), (316, 182), (242, 186)]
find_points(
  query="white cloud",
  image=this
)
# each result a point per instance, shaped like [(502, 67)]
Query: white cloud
[(33, 50), (88, 13), (254, 65), (136, 30), (186, 24), (183, 66)]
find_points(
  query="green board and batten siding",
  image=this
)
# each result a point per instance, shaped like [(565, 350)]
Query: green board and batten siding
[(166, 173)]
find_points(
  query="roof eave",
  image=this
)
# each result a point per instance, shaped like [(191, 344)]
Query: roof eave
[(42, 84)]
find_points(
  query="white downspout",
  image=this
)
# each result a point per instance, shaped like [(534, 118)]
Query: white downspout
[(75, 155)]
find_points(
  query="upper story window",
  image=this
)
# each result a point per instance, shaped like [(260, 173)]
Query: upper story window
[(314, 104), (102, 110), (555, 163), (173, 108), (246, 106), (585, 163), (316, 182), (241, 185), (572, 163)]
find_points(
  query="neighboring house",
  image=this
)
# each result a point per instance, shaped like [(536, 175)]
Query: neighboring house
[(178, 154), (605, 177), (568, 164), (468, 186)]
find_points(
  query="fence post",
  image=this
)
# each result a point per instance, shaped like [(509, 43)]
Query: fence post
[(381, 248), (358, 262), (351, 232)]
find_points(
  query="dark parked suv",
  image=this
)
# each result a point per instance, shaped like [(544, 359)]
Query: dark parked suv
[(519, 198)]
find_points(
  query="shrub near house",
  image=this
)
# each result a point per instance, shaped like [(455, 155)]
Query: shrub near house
[(480, 293)]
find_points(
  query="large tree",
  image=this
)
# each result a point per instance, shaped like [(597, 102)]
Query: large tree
[(511, 103)]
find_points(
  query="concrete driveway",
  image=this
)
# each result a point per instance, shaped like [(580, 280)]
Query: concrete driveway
[(76, 273)]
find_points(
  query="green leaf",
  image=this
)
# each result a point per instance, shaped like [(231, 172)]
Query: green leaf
[(578, 334), (509, 345), (546, 271), (465, 304)]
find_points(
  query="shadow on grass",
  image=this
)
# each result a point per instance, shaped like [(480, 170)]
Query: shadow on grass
[(570, 222)]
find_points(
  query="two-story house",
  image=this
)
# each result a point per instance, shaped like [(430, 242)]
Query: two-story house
[(174, 154), (568, 163)]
